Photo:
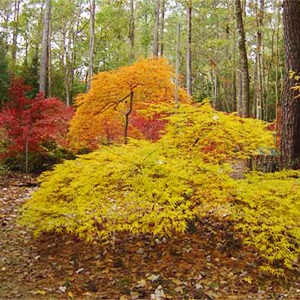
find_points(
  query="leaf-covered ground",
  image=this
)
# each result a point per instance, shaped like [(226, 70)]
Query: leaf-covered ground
[(209, 262)]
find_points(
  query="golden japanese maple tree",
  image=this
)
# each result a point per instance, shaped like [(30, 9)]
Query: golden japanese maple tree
[(120, 104)]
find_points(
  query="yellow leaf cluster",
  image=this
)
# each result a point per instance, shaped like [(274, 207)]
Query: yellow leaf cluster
[(139, 188), (216, 136), (267, 211)]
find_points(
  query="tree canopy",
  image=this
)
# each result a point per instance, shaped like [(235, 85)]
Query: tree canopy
[(121, 103)]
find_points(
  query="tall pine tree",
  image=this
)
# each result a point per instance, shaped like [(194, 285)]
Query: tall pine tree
[(290, 124)]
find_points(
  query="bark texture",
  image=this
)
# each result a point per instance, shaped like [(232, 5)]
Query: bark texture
[(45, 42), (258, 75), (177, 67), (91, 43), (156, 29), (189, 49), (162, 28), (290, 122), (131, 34), (243, 71), (15, 33)]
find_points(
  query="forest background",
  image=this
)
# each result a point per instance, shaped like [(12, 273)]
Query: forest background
[(117, 33)]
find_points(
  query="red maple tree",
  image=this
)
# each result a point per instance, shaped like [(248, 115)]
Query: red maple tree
[(27, 123)]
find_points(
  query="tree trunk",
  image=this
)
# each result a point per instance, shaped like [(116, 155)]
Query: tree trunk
[(259, 60), (162, 28), (290, 124), (131, 35), (233, 58), (15, 34), (277, 71), (44, 54), (127, 114), (49, 62), (91, 44), (215, 102), (5, 13), (189, 49), (177, 67), (243, 71), (156, 29)]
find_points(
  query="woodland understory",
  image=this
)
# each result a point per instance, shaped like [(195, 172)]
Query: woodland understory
[(139, 117), (208, 262)]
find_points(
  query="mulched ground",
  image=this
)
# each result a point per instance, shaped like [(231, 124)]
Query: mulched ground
[(209, 262)]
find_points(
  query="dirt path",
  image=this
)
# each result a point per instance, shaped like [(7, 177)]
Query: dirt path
[(208, 263)]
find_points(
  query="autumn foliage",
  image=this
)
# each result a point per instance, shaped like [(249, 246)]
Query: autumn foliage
[(26, 124), (158, 188), (141, 187), (121, 104), (267, 213), (217, 137)]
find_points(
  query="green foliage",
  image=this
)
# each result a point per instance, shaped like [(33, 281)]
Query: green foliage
[(4, 75), (267, 213), (38, 161)]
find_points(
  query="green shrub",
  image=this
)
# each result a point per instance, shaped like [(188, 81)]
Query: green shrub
[(37, 162)]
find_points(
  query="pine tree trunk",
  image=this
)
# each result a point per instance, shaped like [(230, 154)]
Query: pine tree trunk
[(243, 71), (259, 60), (15, 34), (156, 29), (44, 54), (91, 44), (290, 125), (177, 67), (189, 49), (49, 62), (277, 73), (131, 34), (162, 28)]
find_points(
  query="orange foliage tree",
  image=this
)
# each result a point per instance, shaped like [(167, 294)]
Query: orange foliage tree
[(121, 104)]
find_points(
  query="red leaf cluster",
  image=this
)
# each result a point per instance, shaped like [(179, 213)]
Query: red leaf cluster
[(29, 122), (147, 127)]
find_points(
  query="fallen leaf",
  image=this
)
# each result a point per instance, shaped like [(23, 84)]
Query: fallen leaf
[(40, 292), (198, 286), (153, 277), (159, 292), (141, 283), (247, 279), (70, 295), (79, 270), (134, 295), (62, 289), (176, 281), (179, 290)]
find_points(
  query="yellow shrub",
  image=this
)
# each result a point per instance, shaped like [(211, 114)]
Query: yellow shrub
[(141, 188), (268, 214), (216, 136), (158, 187)]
